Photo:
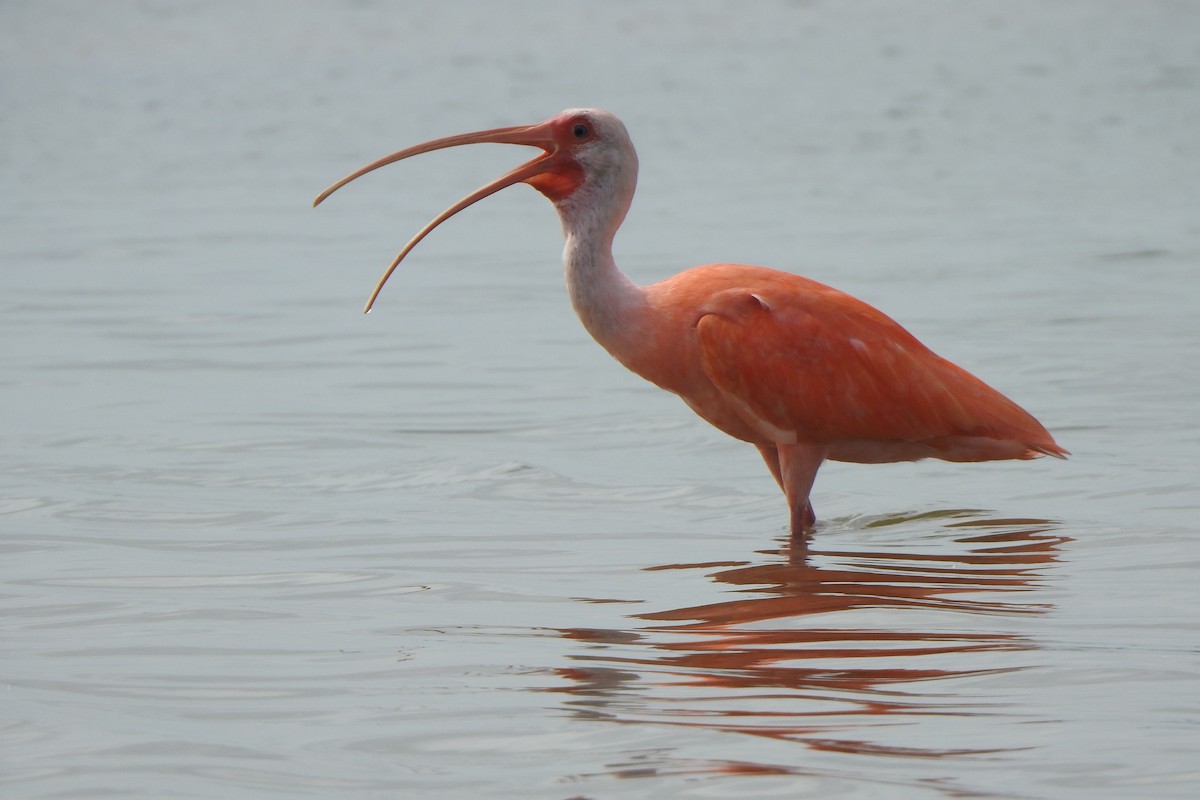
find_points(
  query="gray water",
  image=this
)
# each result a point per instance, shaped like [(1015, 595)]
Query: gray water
[(258, 545)]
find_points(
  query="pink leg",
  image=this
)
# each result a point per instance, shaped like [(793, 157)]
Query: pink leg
[(770, 454), (798, 465)]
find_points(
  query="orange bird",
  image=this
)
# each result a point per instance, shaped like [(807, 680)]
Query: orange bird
[(798, 369)]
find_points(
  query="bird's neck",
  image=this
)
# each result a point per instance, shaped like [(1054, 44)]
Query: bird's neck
[(607, 302), (604, 298), (624, 318)]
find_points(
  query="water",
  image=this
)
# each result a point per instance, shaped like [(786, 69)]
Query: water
[(257, 545)]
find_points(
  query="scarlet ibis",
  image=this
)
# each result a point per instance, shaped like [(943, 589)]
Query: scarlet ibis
[(800, 370)]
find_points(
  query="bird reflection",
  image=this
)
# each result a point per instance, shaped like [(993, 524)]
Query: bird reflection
[(833, 647)]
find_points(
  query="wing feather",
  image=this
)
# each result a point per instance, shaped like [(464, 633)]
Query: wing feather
[(816, 362)]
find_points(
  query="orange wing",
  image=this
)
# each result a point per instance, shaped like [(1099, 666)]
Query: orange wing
[(804, 358)]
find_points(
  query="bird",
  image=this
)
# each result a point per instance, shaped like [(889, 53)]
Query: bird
[(800, 370)]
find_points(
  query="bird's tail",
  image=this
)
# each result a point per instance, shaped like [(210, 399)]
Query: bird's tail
[(1038, 450)]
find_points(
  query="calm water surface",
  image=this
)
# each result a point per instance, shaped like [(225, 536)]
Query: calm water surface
[(258, 545)]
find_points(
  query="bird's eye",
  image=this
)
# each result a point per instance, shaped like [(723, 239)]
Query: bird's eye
[(580, 131)]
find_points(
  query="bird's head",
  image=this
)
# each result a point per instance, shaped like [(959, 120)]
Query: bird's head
[(587, 168)]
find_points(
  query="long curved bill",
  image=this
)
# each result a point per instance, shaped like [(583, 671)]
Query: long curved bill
[(539, 135)]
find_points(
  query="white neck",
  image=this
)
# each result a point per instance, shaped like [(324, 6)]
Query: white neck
[(601, 294), (606, 301)]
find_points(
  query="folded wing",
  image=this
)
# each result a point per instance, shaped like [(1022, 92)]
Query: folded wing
[(802, 359)]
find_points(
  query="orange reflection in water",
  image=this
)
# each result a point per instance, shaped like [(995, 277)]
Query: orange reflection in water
[(821, 646)]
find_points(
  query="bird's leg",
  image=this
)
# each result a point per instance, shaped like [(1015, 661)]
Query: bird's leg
[(798, 465), (770, 454)]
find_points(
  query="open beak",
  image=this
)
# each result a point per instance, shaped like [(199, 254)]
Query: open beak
[(550, 162)]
